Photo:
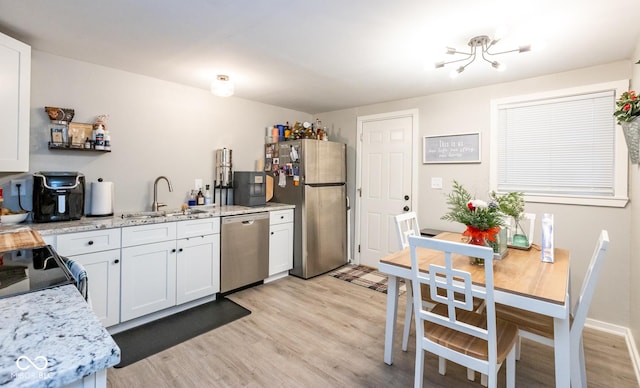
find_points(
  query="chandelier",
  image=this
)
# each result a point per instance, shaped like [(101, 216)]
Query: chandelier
[(479, 45)]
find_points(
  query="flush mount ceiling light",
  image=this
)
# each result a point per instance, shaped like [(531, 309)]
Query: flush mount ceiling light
[(222, 87), (482, 44)]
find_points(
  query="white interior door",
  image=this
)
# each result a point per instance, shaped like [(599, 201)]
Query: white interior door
[(387, 170)]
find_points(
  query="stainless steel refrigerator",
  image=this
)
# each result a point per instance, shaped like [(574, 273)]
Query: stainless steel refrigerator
[(311, 174)]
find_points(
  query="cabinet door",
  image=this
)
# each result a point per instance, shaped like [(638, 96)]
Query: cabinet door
[(280, 248), (103, 271), (198, 268), (15, 100), (148, 279)]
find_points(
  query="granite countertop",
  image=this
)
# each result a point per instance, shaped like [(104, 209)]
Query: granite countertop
[(141, 218), (50, 338)]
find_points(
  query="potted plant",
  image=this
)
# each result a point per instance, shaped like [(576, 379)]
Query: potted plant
[(512, 205), (626, 113), (483, 220)]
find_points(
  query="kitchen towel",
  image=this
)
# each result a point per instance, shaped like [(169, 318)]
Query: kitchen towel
[(101, 198)]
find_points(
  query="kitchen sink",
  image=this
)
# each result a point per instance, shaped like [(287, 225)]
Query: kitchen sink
[(164, 213)]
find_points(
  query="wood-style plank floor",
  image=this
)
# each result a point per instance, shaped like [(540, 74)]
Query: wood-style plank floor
[(326, 332)]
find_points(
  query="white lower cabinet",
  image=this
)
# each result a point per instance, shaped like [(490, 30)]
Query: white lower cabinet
[(103, 271), (198, 267), (280, 241), (99, 254), (148, 279), (168, 264)]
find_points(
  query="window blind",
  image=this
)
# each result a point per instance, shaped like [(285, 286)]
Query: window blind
[(560, 146)]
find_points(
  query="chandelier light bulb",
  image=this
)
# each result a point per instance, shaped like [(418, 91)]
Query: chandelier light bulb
[(456, 72), (499, 66)]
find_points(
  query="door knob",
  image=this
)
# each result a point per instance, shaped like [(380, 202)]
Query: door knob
[(406, 197), (406, 208)]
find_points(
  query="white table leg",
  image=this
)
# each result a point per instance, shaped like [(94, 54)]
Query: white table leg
[(562, 346), (392, 313), (408, 315)]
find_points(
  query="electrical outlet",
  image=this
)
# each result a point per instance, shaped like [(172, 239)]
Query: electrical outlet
[(14, 187), (436, 183), (198, 184)]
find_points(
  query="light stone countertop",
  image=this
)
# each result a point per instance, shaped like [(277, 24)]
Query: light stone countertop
[(57, 331), (141, 218)]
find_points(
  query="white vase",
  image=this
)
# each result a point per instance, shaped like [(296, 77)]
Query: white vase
[(631, 130)]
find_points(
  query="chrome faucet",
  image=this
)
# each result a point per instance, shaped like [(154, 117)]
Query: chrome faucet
[(157, 204)]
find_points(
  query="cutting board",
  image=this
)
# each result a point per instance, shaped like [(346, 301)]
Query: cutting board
[(20, 240), (269, 188)]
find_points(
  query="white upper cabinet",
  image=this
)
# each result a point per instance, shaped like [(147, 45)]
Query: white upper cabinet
[(15, 69)]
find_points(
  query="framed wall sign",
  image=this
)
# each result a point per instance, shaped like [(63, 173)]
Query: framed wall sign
[(458, 148)]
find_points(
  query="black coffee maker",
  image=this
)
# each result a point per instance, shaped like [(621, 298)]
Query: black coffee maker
[(58, 196)]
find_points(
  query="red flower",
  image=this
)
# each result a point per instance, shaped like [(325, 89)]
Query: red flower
[(470, 206), (626, 107)]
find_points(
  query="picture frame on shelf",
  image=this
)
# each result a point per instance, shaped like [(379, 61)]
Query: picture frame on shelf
[(78, 133)]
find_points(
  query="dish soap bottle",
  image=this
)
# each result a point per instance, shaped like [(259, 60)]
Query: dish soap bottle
[(200, 197)]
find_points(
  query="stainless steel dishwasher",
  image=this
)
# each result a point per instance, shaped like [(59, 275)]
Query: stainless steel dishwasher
[(244, 250)]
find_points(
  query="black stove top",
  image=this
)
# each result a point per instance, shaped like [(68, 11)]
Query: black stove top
[(33, 269)]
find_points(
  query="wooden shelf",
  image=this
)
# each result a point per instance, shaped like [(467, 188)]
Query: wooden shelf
[(63, 148)]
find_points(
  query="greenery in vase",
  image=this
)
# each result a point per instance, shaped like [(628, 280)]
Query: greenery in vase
[(627, 107), (472, 212)]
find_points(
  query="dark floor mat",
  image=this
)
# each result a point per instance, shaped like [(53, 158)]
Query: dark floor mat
[(146, 340)]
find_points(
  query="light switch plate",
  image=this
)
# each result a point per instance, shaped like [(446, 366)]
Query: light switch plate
[(436, 182)]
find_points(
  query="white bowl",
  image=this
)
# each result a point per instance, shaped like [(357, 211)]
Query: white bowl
[(11, 219)]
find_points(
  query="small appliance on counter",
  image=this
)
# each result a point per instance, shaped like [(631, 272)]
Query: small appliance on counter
[(58, 196), (249, 188), (101, 199)]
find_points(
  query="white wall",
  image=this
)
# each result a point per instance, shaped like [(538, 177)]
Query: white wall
[(577, 227), (157, 128), (634, 194)]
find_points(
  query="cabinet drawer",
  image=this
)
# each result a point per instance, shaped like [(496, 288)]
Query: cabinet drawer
[(280, 216), (199, 227), (146, 234), (87, 242)]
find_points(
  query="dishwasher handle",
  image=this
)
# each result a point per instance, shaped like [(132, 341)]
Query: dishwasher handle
[(246, 219)]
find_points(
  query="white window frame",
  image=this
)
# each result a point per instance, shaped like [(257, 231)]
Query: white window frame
[(621, 164)]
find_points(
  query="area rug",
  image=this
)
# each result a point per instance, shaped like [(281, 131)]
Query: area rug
[(146, 340), (365, 276)]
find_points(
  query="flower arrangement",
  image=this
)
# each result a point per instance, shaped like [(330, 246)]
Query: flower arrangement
[(627, 107), (510, 204), (483, 220)]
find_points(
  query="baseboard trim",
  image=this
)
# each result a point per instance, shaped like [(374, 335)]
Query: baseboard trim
[(624, 332)]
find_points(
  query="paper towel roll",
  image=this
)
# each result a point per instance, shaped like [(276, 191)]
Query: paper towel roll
[(101, 198)]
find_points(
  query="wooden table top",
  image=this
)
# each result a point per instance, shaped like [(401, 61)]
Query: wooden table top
[(21, 239), (520, 272)]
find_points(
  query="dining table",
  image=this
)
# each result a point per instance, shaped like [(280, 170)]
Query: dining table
[(521, 279)]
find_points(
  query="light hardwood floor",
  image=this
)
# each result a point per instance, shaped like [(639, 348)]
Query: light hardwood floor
[(326, 332)]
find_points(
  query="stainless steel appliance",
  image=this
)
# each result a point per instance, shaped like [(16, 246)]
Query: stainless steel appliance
[(58, 196), (223, 182), (249, 188), (244, 250), (315, 181), (26, 270)]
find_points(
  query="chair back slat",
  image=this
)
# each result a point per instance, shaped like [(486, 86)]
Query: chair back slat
[(581, 307), (406, 225), (454, 281)]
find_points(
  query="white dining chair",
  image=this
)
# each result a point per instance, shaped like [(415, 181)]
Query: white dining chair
[(452, 330), (407, 225), (539, 328)]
